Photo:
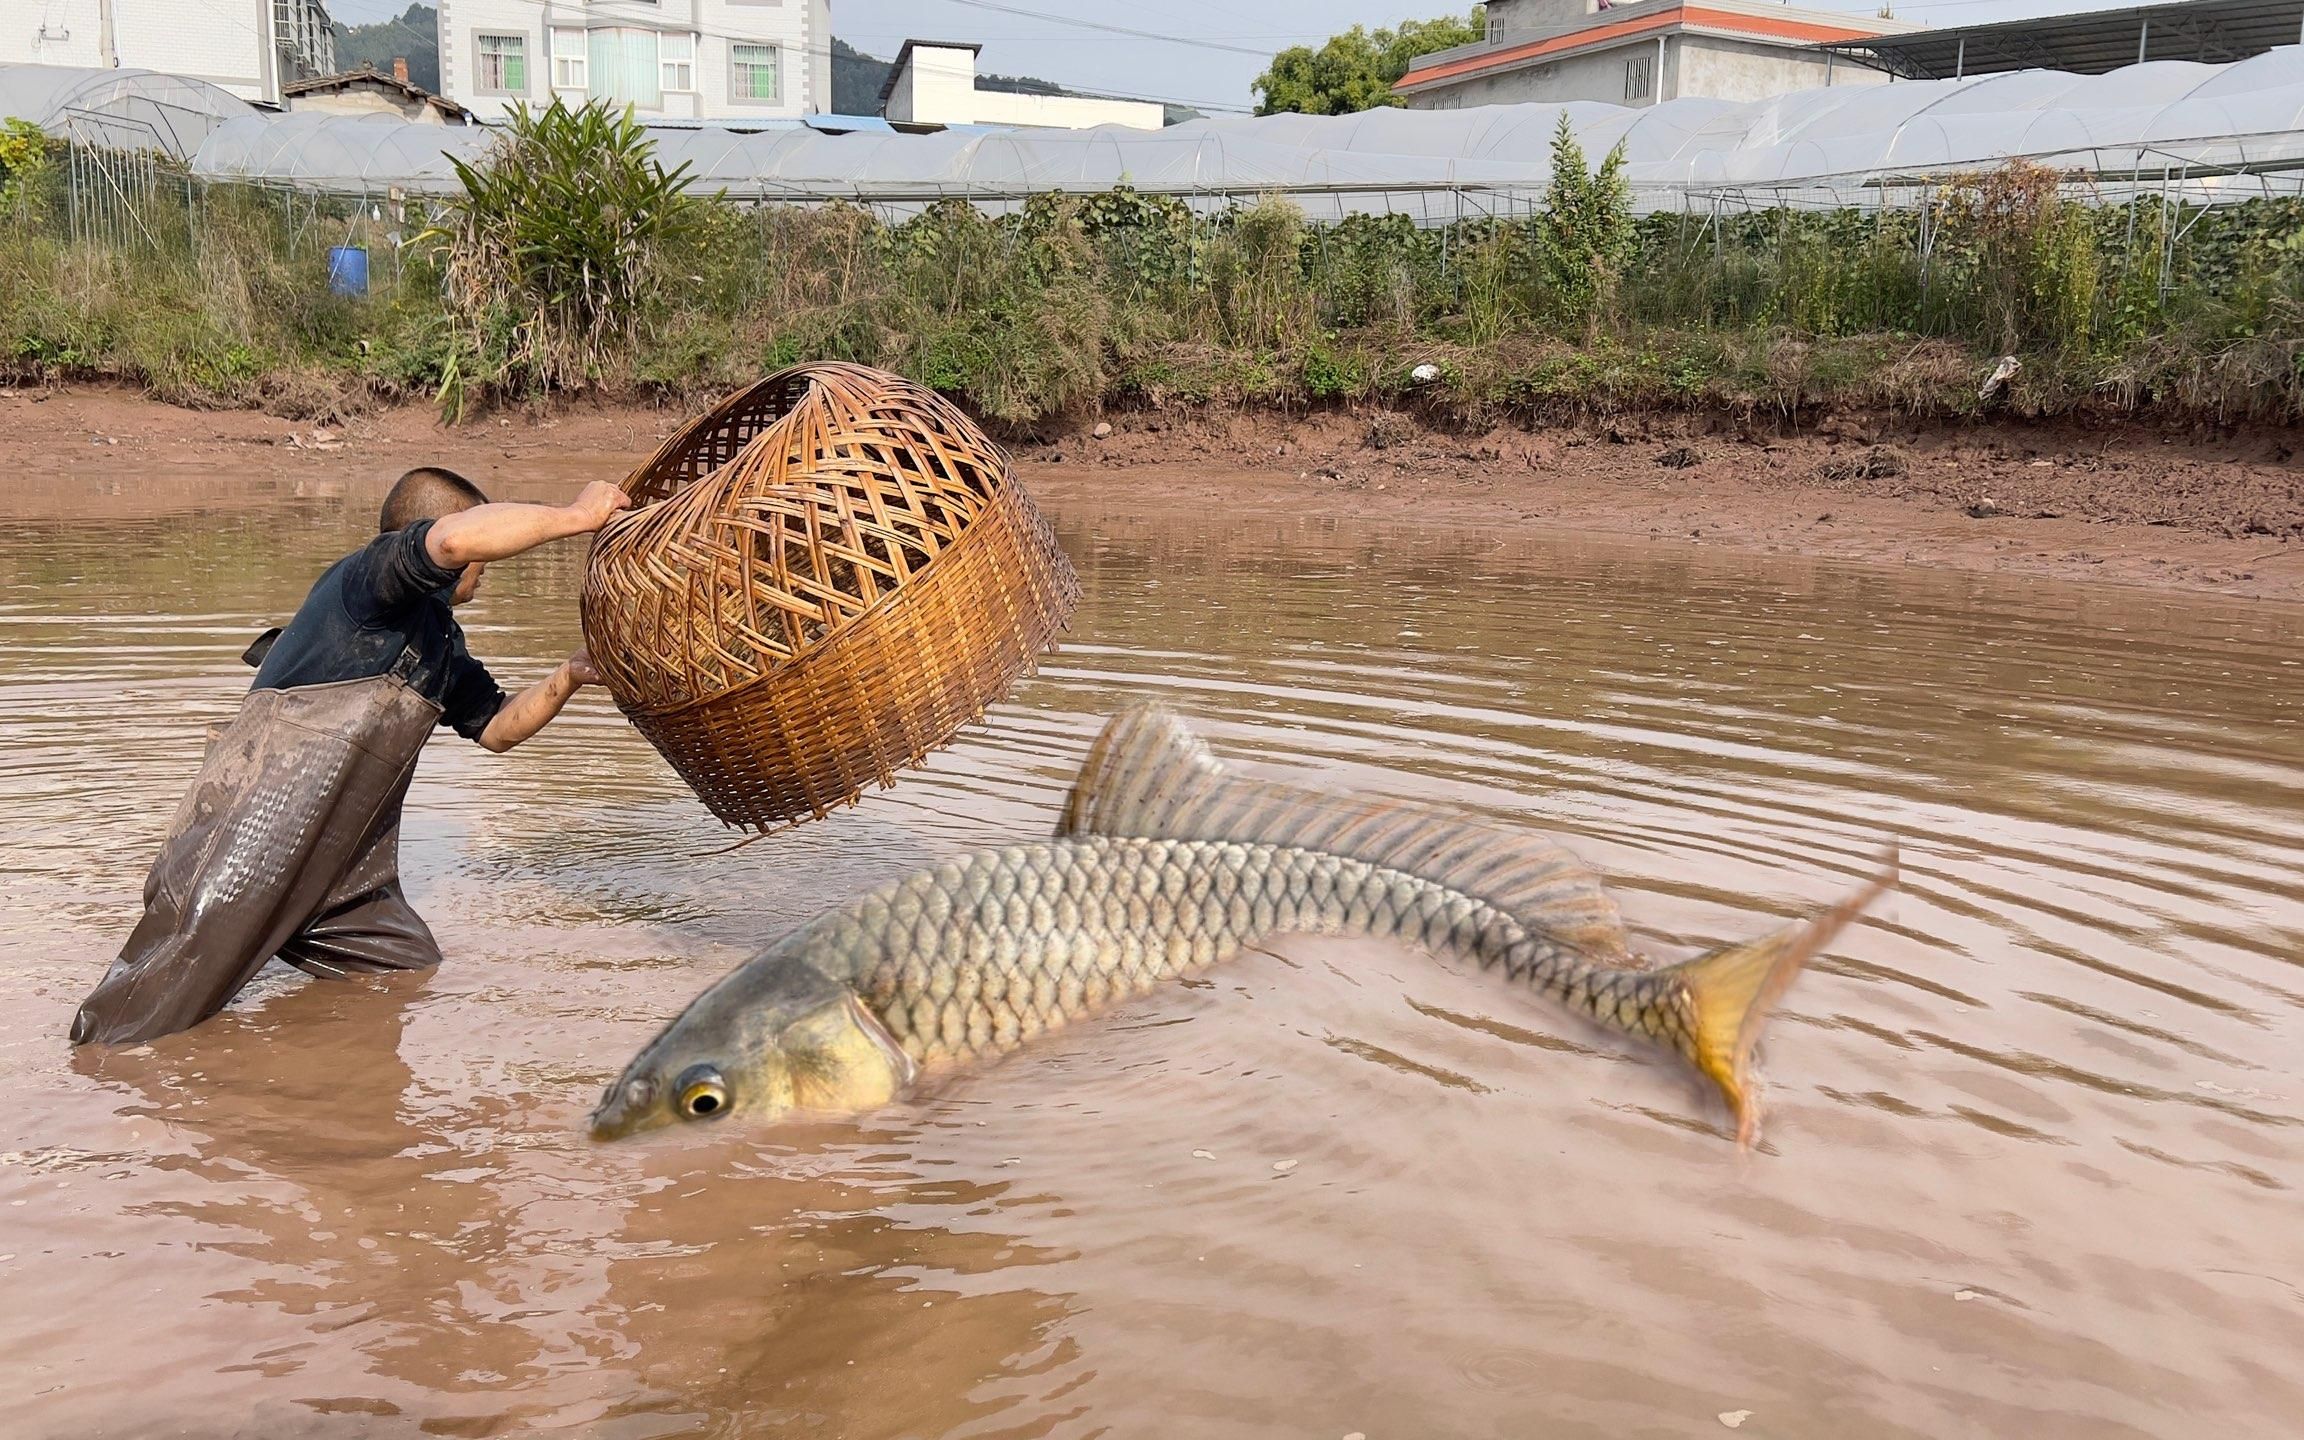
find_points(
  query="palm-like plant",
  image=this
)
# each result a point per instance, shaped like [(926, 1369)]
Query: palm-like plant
[(555, 251)]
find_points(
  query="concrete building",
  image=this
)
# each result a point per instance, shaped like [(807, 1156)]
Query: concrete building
[(722, 60), (250, 48), (368, 91), (933, 82), (1642, 52)]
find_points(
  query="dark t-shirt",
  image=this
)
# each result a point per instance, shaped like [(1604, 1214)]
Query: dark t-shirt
[(369, 607)]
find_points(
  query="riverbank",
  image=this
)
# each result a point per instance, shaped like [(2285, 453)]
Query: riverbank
[(2125, 504)]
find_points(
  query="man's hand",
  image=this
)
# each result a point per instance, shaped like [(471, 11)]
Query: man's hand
[(596, 502), (580, 666)]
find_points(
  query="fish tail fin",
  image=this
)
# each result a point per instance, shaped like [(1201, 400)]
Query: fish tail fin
[(1730, 993)]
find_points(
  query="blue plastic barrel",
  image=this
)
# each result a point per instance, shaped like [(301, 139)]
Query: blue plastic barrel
[(347, 270)]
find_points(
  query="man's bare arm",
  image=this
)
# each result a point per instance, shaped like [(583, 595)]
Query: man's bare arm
[(502, 529), (533, 708)]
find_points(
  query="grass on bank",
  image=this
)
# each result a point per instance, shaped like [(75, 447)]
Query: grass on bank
[(575, 263)]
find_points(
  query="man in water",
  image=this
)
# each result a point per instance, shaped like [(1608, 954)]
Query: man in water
[(288, 844)]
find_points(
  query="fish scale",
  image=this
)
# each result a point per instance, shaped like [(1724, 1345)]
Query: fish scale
[(1146, 911)]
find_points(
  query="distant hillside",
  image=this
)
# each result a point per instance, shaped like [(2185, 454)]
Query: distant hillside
[(414, 37), (857, 78)]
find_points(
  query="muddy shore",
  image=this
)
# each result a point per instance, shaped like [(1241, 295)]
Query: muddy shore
[(2124, 505)]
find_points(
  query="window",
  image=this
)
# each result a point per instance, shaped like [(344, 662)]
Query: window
[(753, 73), (678, 52), (627, 68), (1639, 77), (568, 56), (503, 68)]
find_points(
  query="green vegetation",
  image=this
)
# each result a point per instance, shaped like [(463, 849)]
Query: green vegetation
[(26, 157), (1584, 238), (1356, 70), (574, 266), (556, 253)]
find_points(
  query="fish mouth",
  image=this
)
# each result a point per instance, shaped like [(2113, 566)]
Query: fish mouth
[(609, 1125), (623, 1108)]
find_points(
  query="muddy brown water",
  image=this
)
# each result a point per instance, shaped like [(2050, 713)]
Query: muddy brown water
[(2034, 1151)]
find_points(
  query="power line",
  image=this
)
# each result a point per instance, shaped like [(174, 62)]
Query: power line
[(1112, 29)]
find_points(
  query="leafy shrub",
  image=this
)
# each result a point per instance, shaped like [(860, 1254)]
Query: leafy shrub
[(1584, 236), (555, 249)]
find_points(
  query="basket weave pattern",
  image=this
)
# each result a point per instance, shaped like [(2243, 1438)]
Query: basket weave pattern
[(819, 582)]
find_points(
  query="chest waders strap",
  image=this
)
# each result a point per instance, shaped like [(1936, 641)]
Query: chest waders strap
[(404, 669)]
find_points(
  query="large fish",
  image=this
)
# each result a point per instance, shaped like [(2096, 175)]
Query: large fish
[(974, 957)]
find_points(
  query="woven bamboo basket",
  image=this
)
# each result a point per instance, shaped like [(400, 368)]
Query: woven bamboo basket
[(820, 580)]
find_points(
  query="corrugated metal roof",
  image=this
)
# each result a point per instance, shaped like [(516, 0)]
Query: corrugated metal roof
[(2095, 42)]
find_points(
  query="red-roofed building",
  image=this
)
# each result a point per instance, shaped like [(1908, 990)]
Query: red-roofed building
[(1643, 52)]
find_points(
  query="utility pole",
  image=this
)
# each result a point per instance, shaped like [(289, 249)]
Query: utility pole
[(105, 49)]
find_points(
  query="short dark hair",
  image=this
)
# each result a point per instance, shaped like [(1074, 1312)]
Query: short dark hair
[(426, 493)]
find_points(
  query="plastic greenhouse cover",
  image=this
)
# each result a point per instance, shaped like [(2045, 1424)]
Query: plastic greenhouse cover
[(121, 108), (2161, 115)]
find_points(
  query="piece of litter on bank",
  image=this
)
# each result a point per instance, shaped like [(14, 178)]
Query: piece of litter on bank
[(1734, 1418), (1282, 1167), (1356, 1435), (1203, 1154), (1967, 1294)]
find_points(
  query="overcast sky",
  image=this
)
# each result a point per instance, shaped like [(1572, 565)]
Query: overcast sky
[(1192, 73)]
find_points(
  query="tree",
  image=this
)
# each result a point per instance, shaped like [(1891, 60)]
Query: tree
[(1585, 237), (1355, 70)]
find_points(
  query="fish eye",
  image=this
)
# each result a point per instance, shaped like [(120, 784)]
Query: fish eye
[(703, 1094)]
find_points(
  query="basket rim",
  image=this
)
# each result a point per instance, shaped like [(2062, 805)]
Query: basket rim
[(1010, 506), (680, 443)]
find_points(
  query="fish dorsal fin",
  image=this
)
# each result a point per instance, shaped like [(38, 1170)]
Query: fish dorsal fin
[(1148, 777)]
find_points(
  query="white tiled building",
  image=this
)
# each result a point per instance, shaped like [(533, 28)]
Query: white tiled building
[(249, 47), (726, 60)]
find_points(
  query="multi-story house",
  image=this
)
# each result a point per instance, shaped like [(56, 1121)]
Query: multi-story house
[(251, 48), (1643, 52), (722, 60)]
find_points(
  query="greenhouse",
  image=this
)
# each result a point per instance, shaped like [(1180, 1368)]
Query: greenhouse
[(122, 109), (2206, 132)]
